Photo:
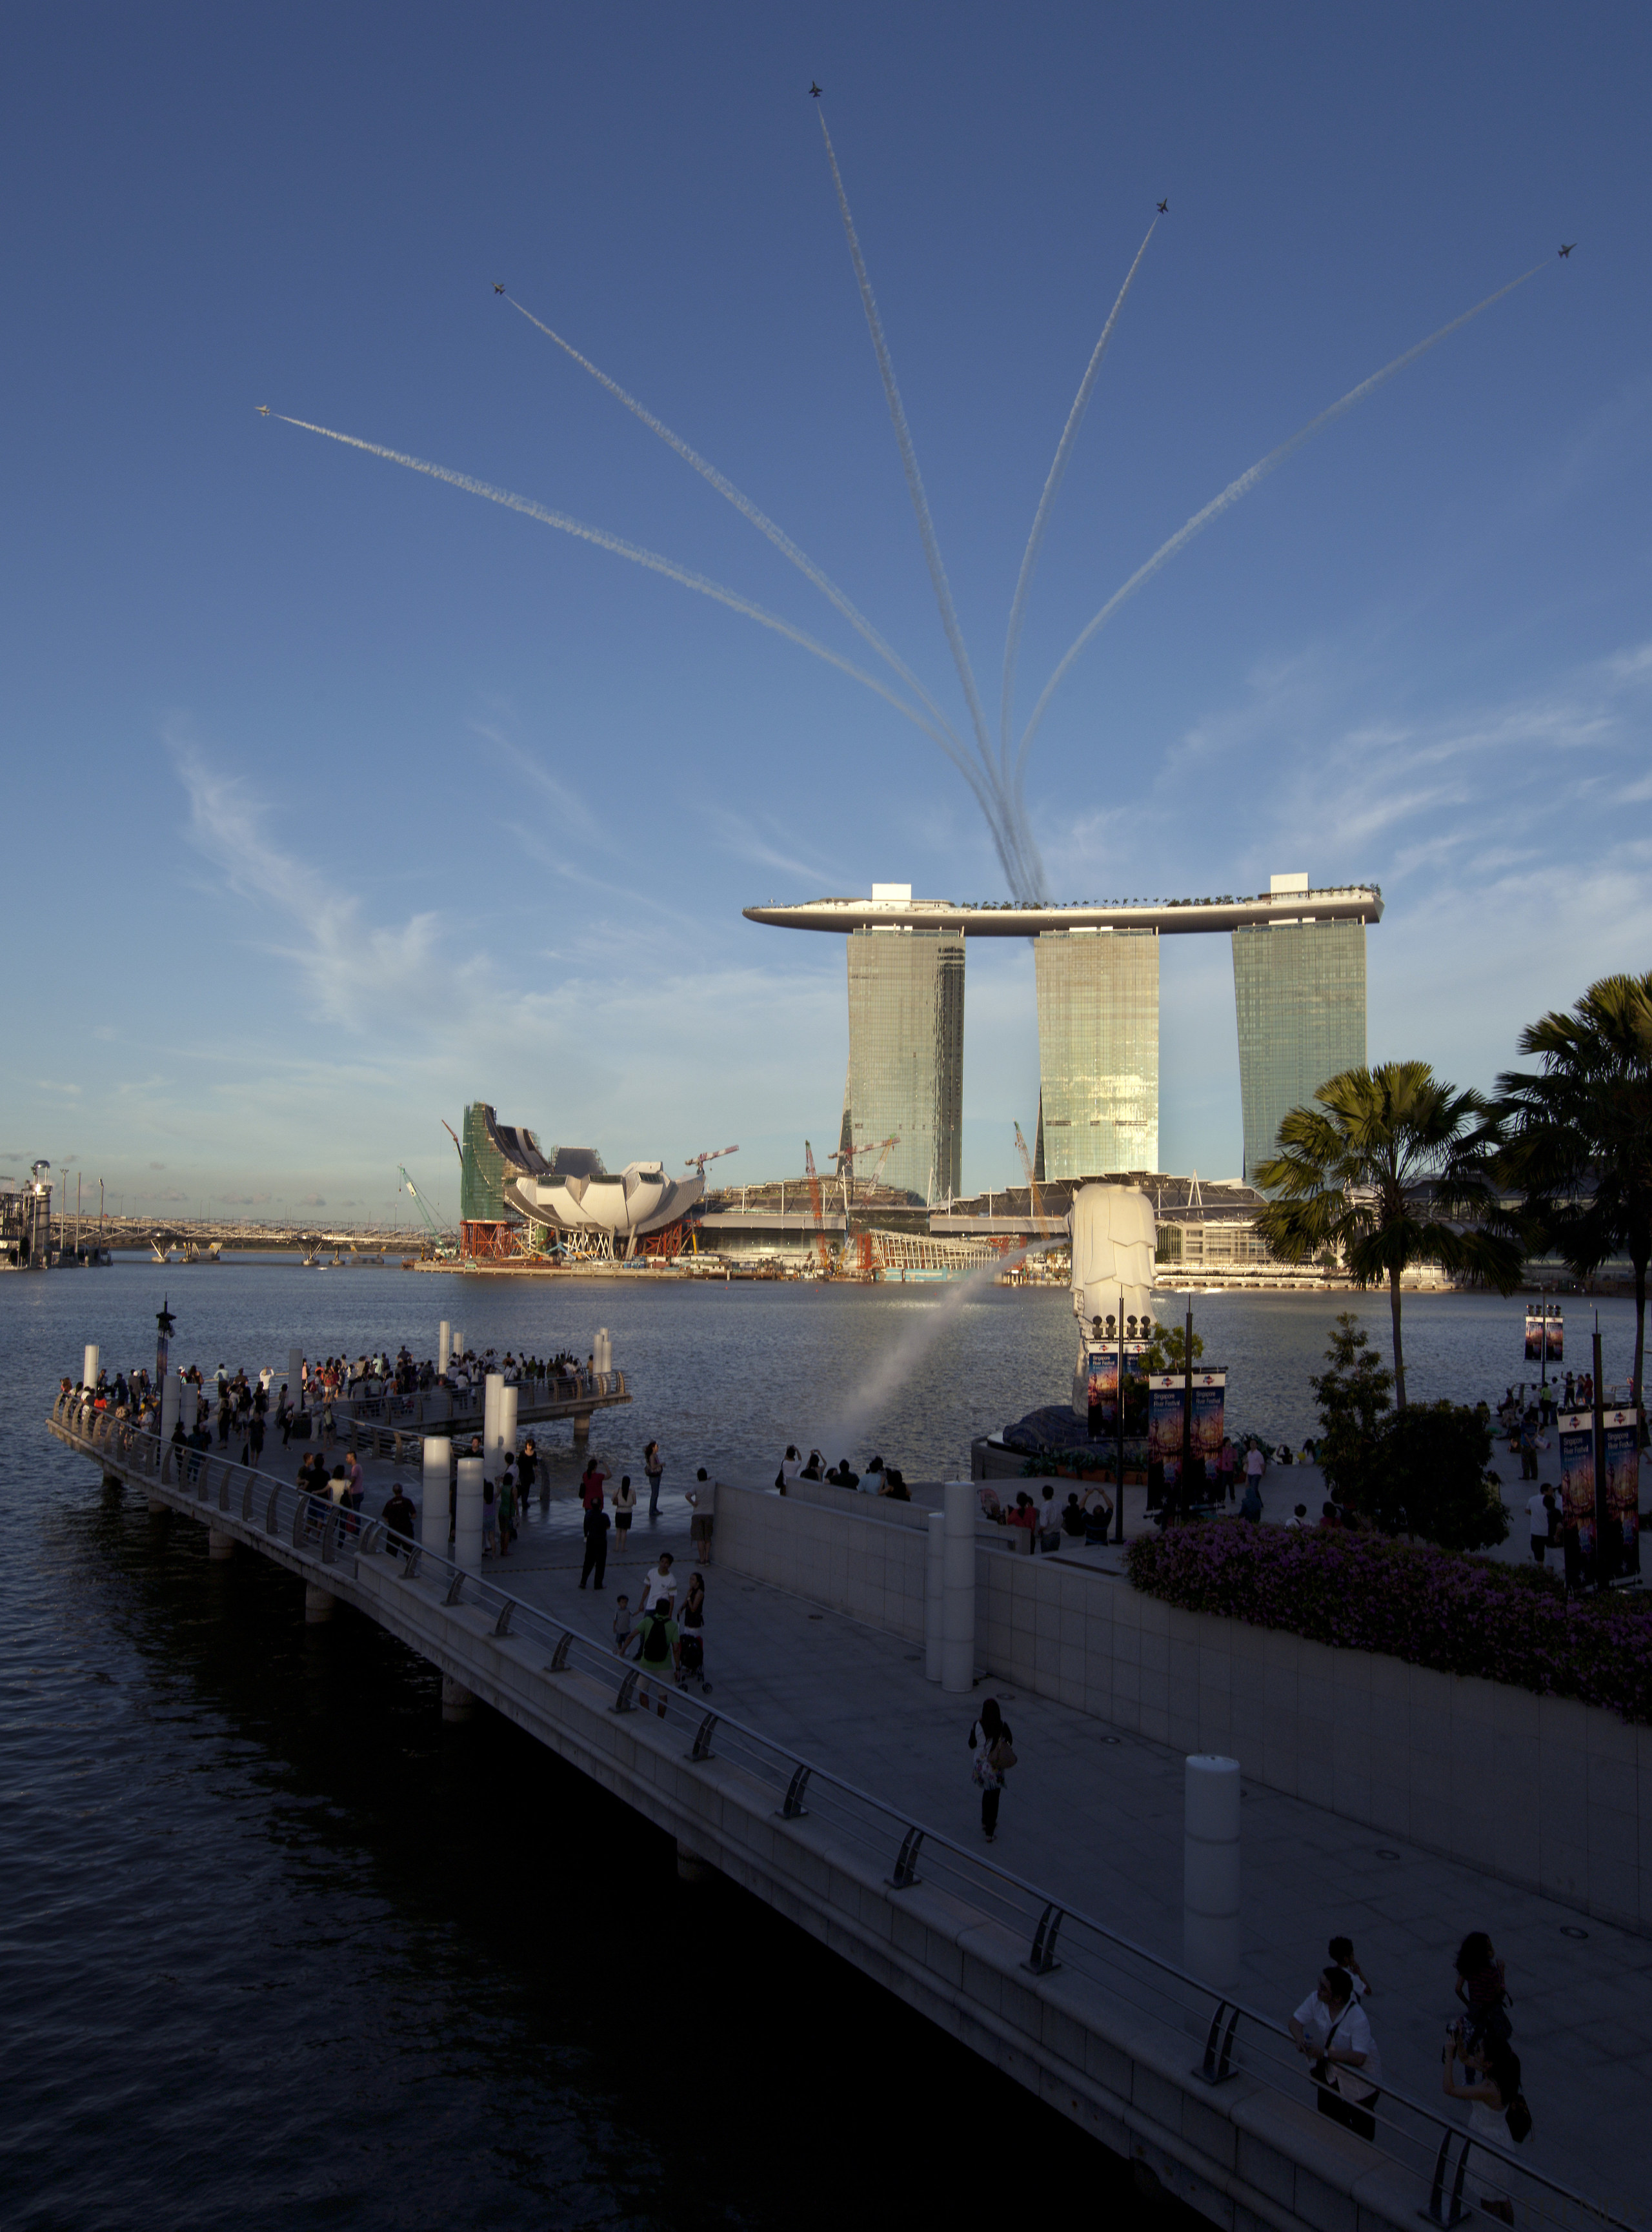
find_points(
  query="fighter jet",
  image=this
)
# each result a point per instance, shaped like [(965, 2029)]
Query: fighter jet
[(498, 286), (1164, 209), (1568, 248), (814, 92), (264, 409)]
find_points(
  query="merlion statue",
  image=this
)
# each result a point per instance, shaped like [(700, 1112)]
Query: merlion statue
[(1113, 1239)]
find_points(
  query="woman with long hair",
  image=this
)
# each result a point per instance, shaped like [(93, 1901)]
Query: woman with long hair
[(990, 1740), (1491, 2086)]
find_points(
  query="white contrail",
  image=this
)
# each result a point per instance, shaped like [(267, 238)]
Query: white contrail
[(1233, 492), (743, 504), (639, 556), (1029, 883), (1046, 504)]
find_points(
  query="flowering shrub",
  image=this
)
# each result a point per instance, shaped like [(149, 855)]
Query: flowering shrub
[(1457, 1615)]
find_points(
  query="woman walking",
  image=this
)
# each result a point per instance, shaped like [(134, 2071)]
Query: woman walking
[(990, 1741)]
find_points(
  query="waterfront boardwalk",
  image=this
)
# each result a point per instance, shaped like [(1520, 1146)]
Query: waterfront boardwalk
[(1093, 1816)]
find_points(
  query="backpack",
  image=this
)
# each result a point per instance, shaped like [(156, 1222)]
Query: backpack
[(656, 1644), (1518, 2117)]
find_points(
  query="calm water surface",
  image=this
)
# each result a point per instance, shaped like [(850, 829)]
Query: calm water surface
[(275, 1941)]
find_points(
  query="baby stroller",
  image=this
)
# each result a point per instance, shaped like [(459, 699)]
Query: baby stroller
[(691, 1663)]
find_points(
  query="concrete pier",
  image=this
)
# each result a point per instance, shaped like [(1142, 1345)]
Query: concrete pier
[(219, 1546), (829, 1777), (320, 1605)]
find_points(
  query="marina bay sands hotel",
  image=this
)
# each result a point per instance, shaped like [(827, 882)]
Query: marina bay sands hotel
[(1299, 992)]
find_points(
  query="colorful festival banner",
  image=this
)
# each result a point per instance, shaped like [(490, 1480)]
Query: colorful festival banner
[(1533, 1338), (1557, 1337), (1209, 1400), (1621, 1537), (1101, 1365), (1165, 1391), (1545, 1329), (1576, 1432)]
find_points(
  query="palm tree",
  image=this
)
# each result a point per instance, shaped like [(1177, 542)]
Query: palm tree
[(1578, 1135), (1376, 1169)]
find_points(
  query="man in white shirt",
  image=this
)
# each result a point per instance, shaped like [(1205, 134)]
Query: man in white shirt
[(659, 1584), (1541, 1507), (1334, 2033)]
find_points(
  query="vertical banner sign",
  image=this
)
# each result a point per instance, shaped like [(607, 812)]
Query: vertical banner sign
[(1164, 1417), (1209, 1397), (1101, 1368), (1557, 1337), (1620, 1549), (1533, 1338), (1576, 1430)]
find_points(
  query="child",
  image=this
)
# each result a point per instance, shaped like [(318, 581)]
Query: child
[(624, 1505), (622, 1625)]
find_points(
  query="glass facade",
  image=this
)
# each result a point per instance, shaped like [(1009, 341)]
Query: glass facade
[(1299, 993), (481, 1181), (1098, 1050), (906, 1055)]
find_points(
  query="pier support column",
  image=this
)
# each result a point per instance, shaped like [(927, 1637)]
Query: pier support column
[(491, 1386), (295, 1378), (156, 1504), (934, 1595), (690, 1868), (319, 1605), (508, 1399), (958, 1589), (219, 1546), (438, 1472), (171, 1390), (467, 1516), (1210, 1869), (443, 1347), (457, 1704), (582, 1428)]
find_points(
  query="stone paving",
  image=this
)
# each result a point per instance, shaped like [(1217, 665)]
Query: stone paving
[(1095, 1816)]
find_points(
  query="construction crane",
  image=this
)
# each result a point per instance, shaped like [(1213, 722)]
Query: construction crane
[(441, 1238), (815, 1197), (844, 1158), (1033, 1196), (454, 1136), (710, 1155)]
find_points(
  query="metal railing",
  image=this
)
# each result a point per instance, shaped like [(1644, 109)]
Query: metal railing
[(1230, 2037)]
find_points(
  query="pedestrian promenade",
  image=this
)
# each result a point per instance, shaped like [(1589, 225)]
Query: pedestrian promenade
[(1097, 1817)]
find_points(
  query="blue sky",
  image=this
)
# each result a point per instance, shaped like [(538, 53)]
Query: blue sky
[(339, 797)]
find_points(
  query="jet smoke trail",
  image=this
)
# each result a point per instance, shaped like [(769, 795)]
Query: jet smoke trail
[(1231, 495), (760, 519), (1046, 505), (1028, 883), (655, 563)]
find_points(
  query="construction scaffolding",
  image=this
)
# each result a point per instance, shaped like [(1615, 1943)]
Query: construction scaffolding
[(915, 1251)]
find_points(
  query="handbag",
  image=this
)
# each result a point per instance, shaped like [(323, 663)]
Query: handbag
[(1000, 1758), (1518, 2117)]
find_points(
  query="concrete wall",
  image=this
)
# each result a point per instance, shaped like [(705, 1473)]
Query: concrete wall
[(843, 1558), (1540, 1791)]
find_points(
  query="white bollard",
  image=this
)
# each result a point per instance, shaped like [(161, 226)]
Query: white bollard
[(507, 1396), (490, 1387), (1210, 1869), (467, 1518), (443, 1347), (433, 1523), (934, 1595), (171, 1388), (89, 1369), (295, 1377), (958, 1589)]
